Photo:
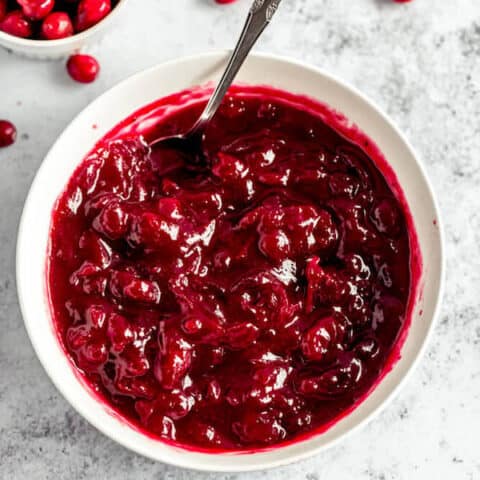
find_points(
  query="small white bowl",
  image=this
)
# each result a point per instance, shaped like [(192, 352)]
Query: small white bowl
[(141, 89), (54, 49)]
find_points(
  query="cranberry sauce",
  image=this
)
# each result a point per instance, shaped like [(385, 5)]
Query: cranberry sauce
[(238, 305)]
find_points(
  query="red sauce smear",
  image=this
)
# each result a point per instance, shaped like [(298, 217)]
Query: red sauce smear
[(244, 305)]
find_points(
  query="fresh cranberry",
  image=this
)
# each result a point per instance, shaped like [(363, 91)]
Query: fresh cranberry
[(83, 68), (15, 23), (36, 9), (90, 12), (57, 25), (8, 133)]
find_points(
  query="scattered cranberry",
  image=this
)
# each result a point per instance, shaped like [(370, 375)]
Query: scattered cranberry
[(91, 12), (57, 25), (8, 133), (36, 9), (83, 68), (16, 24)]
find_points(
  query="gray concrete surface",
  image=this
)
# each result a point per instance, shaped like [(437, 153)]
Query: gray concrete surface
[(421, 63)]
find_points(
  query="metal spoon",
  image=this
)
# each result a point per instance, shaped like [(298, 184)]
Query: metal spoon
[(259, 16)]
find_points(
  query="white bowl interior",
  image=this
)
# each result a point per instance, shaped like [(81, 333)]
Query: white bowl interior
[(142, 89)]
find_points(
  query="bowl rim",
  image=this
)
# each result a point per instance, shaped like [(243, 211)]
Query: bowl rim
[(307, 452), (43, 45)]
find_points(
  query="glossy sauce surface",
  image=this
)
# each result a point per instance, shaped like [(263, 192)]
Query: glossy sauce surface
[(240, 305)]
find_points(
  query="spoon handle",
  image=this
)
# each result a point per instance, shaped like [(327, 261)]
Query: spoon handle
[(259, 16)]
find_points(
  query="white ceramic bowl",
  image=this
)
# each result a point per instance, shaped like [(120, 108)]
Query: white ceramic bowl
[(114, 106), (53, 49)]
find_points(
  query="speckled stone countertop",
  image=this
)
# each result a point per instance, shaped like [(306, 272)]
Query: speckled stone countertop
[(421, 63)]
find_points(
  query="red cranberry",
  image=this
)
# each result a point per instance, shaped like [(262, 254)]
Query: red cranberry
[(161, 425), (95, 316), (155, 232), (119, 332), (36, 9), (77, 337), (173, 359), (324, 338), (83, 68), (16, 24), (91, 12), (386, 217), (367, 349), (126, 285), (204, 434), (241, 335), (57, 25), (259, 428), (112, 221), (175, 404), (133, 361), (136, 387), (95, 249), (8, 133), (274, 245)]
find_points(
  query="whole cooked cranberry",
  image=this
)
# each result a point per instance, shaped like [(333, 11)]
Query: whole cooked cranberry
[(241, 335), (274, 244), (324, 338), (259, 428), (95, 249), (161, 425), (36, 9), (333, 381), (57, 25), (173, 360), (127, 286), (386, 217), (119, 332), (15, 23), (112, 221), (83, 68), (8, 133), (204, 434), (90, 12)]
